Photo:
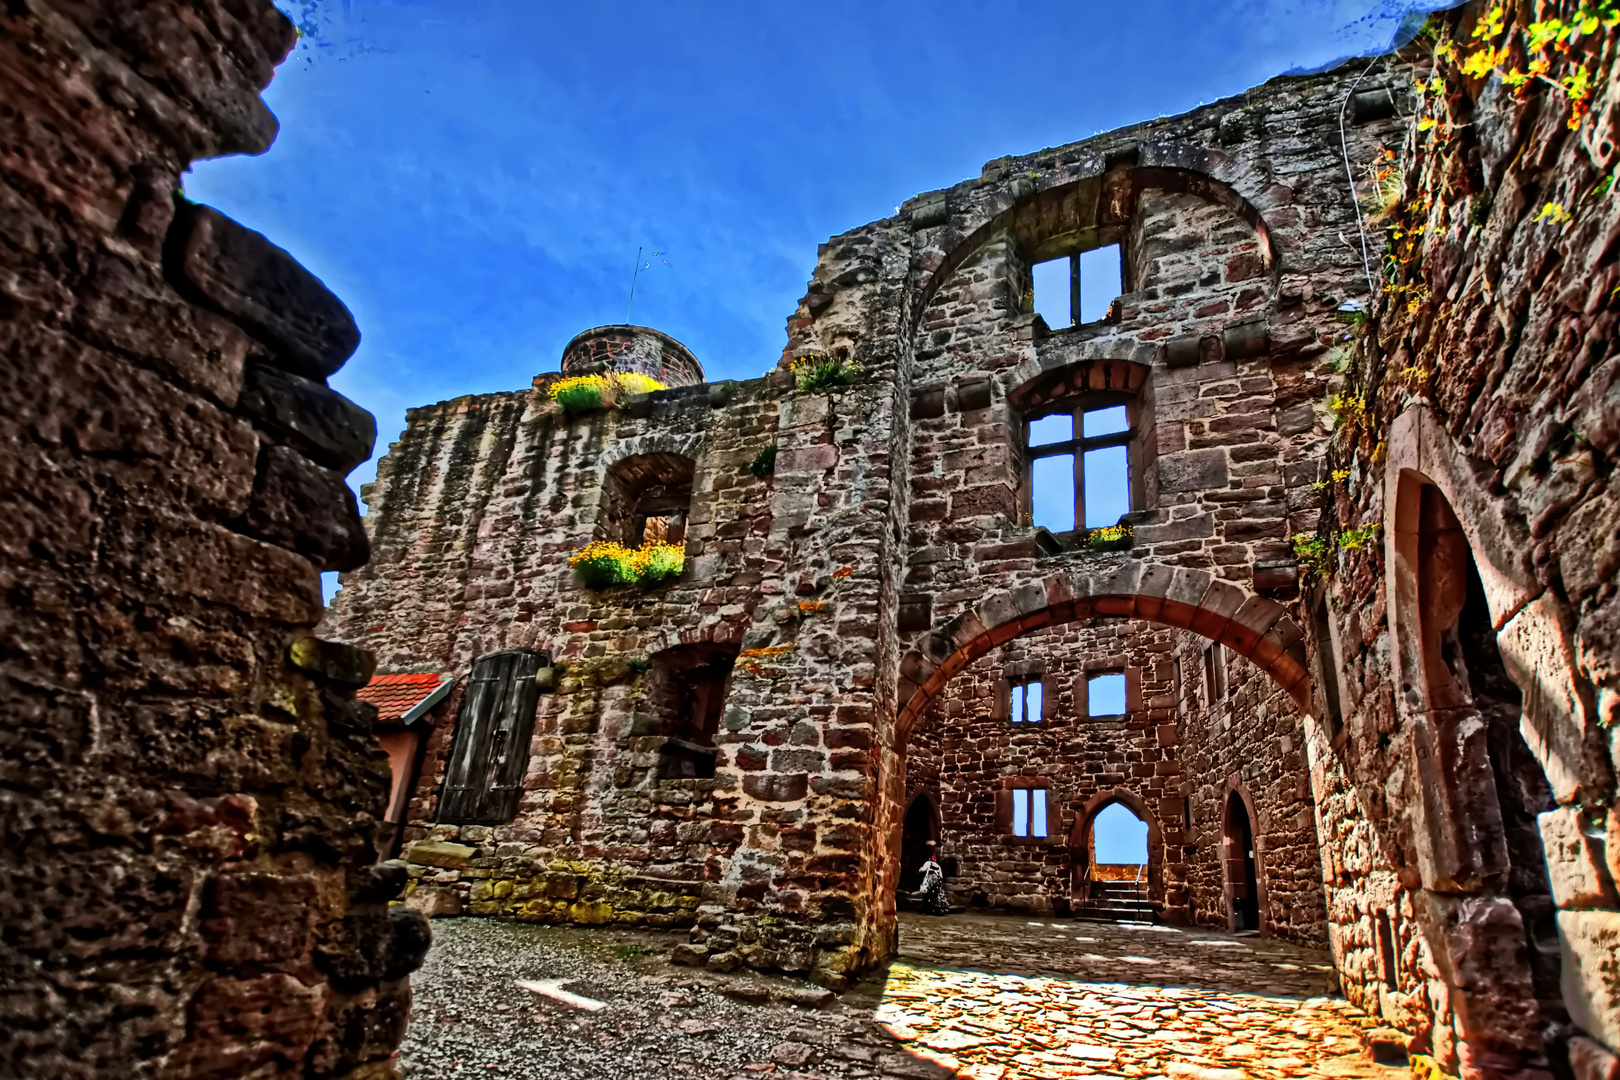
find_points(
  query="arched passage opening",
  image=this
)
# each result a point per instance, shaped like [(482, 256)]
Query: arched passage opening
[(919, 835), (1121, 623), (1118, 858)]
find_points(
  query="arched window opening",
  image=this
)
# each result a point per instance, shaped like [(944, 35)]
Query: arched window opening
[(1079, 288), (684, 697), (649, 497), (1242, 876), (1083, 463)]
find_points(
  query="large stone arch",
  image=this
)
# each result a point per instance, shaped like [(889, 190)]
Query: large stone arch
[(1250, 625), (1073, 206)]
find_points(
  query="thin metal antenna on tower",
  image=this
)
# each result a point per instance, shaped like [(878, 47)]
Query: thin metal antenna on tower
[(639, 268), (633, 286)]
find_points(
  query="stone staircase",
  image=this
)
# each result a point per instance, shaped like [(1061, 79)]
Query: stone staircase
[(1117, 901)]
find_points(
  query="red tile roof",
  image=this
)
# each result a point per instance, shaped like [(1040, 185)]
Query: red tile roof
[(395, 694)]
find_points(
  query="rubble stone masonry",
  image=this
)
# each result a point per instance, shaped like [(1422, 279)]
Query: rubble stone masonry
[(190, 797)]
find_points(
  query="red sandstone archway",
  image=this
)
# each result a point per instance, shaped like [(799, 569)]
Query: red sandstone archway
[(1085, 587)]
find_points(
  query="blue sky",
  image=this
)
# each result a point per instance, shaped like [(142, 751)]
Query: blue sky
[(474, 177)]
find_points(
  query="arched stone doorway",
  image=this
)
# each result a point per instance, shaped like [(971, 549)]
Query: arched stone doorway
[(920, 829), (1106, 882), (1480, 791), (1240, 862), (1080, 590)]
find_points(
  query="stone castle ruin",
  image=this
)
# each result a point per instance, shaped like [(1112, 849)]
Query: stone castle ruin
[(1115, 483)]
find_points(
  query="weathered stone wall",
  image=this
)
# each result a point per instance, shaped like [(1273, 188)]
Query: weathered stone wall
[(1251, 741), (966, 744), (190, 809), (1478, 443), (891, 547)]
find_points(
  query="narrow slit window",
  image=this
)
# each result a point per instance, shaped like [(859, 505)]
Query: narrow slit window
[(1101, 282), (1215, 673), (1105, 694), (1097, 493), (1020, 811), (1037, 811)]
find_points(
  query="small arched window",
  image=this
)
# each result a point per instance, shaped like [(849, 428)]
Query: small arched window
[(649, 497)]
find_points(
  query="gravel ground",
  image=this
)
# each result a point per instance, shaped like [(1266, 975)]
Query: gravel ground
[(1059, 997), (471, 1017)]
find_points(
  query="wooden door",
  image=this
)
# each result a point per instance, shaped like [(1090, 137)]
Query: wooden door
[(484, 778)]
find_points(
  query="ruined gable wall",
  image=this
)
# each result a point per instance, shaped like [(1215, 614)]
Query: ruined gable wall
[(1491, 373), (190, 809)]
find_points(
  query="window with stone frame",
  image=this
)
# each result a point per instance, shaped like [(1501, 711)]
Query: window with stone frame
[(1026, 809), (1078, 288), (1021, 696), (648, 499), (1082, 462), (1105, 694)]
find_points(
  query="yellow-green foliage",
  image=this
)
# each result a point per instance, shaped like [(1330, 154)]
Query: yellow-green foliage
[(1315, 553), (603, 564), (586, 393), (818, 371), (1109, 538)]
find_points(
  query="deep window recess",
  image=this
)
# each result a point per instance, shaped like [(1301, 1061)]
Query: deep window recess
[(1105, 694), (1077, 289), (683, 698), (1027, 701), (1327, 665), (1029, 812), (649, 496), (1080, 475), (484, 778)]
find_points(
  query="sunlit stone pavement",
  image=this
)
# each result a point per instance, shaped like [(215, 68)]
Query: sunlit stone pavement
[(995, 997), (981, 997)]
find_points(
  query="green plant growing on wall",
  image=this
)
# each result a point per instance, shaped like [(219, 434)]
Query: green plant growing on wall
[(1315, 553), (1355, 539), (764, 462), (604, 564), (819, 371)]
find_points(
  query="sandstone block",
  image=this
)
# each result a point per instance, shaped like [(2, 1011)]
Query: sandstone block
[(1575, 860), (441, 853), (434, 901), (326, 426), (304, 508), (333, 662), (267, 290), (1591, 958)]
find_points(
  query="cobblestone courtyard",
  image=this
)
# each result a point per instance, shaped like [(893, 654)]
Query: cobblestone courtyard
[(983, 997)]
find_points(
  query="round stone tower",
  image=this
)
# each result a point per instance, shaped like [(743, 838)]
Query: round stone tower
[(632, 348)]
